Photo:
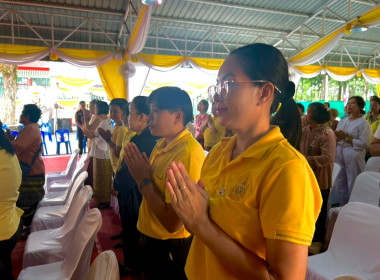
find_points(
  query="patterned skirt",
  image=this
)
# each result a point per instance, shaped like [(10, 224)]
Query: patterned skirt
[(102, 180), (31, 192)]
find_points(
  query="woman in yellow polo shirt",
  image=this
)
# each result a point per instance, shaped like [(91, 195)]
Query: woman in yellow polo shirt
[(212, 130), (253, 213), (166, 241), (10, 214)]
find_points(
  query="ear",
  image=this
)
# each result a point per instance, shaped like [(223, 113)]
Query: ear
[(266, 94), (178, 117)]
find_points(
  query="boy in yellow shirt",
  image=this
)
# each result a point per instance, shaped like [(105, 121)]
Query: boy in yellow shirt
[(166, 241)]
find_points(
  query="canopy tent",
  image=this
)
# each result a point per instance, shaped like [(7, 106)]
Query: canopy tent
[(194, 32)]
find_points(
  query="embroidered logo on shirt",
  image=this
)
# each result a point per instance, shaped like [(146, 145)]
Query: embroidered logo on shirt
[(238, 191)]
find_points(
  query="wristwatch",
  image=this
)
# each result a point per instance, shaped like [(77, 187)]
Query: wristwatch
[(144, 183)]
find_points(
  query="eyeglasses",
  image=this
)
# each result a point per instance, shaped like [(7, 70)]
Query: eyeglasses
[(220, 92)]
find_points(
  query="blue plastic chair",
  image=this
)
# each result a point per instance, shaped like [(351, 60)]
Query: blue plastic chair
[(5, 127), (43, 143), (14, 133), (62, 136), (46, 127)]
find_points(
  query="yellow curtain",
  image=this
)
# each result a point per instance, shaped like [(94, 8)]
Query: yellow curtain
[(80, 53), (75, 82), (309, 69), (373, 73), (113, 82), (161, 60), (208, 63), (378, 89), (67, 103), (342, 71), (20, 49)]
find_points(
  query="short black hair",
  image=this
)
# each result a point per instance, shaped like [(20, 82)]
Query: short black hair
[(141, 105), (375, 98), (173, 99), (205, 103), (82, 102), (299, 105), (320, 113), (122, 104), (327, 104), (360, 101), (93, 101), (103, 107), (32, 111)]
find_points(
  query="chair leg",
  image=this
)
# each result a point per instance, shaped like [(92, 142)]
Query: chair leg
[(66, 148), (58, 146), (45, 149), (50, 137), (70, 148)]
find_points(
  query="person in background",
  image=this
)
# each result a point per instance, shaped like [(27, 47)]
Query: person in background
[(373, 117), (212, 130), (200, 119), (166, 241), (81, 117), (88, 129), (119, 109), (333, 121), (255, 187), (374, 147), (28, 148), (10, 214), (327, 106), (128, 193), (353, 136), (102, 169), (318, 145), (301, 110)]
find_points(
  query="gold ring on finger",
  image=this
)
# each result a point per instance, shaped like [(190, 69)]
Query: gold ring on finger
[(183, 187)]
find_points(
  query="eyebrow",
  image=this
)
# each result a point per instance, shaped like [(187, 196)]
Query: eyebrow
[(226, 76)]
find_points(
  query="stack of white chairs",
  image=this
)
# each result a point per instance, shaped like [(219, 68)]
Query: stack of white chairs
[(366, 189), (50, 217), (373, 164), (52, 245), (60, 197), (63, 185), (64, 175), (354, 249), (76, 264), (104, 267)]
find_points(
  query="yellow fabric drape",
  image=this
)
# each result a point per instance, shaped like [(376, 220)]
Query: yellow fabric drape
[(158, 60), (378, 90), (75, 82), (67, 103), (20, 49), (317, 46), (342, 71), (80, 53), (373, 73), (207, 63), (113, 82), (309, 69)]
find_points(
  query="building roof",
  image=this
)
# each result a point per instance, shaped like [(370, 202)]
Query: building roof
[(194, 28)]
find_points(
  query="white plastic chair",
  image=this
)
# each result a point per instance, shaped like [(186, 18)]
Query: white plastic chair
[(64, 175), (62, 185), (77, 263), (50, 217), (333, 197), (354, 248), (52, 245), (366, 189), (104, 267), (60, 198), (373, 164)]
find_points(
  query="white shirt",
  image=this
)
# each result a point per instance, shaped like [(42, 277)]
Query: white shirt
[(100, 147)]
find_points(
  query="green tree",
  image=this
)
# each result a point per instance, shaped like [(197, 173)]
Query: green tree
[(9, 73)]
